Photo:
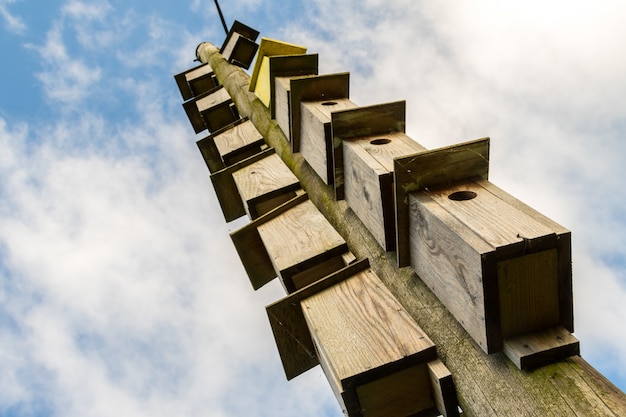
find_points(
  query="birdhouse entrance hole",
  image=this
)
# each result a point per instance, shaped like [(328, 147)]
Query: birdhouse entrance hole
[(381, 141), (462, 195)]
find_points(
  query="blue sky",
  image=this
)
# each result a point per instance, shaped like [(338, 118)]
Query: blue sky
[(120, 291)]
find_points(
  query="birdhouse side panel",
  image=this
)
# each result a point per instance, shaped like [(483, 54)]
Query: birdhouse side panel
[(448, 259)]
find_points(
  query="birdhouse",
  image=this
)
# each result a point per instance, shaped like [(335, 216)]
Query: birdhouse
[(366, 141), (378, 361), (212, 110), (313, 100), (196, 81), (501, 268), (254, 185), (240, 45), (260, 80), (232, 144), (282, 69), (294, 242)]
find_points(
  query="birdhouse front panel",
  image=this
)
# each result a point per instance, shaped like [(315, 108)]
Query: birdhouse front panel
[(265, 184), (501, 269), (316, 136), (298, 242), (217, 109), (368, 180)]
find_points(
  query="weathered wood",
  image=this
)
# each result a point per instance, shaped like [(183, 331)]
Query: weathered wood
[(196, 81), (368, 180), (265, 184), (226, 189), (293, 339), (380, 119), (231, 144), (491, 264), (316, 142), (535, 349), (433, 168), (251, 249), (487, 385), (288, 66), (212, 110), (260, 81), (372, 351), (321, 88), (239, 46), (239, 142), (302, 246)]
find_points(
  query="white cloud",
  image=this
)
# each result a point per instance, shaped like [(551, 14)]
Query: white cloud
[(12, 23), (65, 79)]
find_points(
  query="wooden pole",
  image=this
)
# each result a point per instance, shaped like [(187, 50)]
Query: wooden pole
[(487, 385)]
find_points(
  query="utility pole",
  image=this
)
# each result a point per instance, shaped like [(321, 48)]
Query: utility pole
[(492, 374)]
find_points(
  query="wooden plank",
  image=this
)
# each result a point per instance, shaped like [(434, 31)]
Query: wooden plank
[(281, 110), (443, 389), (226, 189), (320, 88), (265, 184), (289, 66), (532, 350), (368, 183), (315, 134), (369, 343), (430, 169), (529, 293), (381, 119), (298, 240), (447, 258), (251, 249), (291, 333)]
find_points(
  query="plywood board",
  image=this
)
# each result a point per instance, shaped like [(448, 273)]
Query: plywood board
[(271, 47), (320, 88)]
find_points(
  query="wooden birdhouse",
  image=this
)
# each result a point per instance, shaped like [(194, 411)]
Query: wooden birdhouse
[(294, 242), (314, 99), (260, 82), (254, 185), (501, 268), (378, 361), (366, 141), (196, 81), (212, 110), (282, 69), (240, 45), (232, 144)]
